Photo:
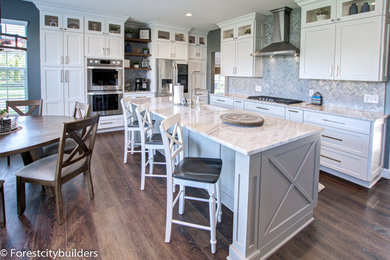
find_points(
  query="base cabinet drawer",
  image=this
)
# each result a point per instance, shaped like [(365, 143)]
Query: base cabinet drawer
[(350, 124), (349, 164), (295, 115), (106, 122), (221, 101), (238, 104), (258, 107), (347, 141)]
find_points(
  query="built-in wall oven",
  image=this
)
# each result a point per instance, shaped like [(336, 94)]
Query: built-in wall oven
[(105, 86)]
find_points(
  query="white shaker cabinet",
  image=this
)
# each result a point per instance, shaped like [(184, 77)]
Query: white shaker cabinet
[(52, 93), (52, 50), (240, 37), (73, 90), (358, 50), (73, 49), (228, 61), (103, 46), (341, 46), (317, 52), (294, 114)]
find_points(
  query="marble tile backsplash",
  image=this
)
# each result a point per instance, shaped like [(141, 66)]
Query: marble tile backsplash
[(281, 78)]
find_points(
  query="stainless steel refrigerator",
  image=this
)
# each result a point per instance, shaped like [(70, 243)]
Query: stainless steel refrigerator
[(171, 72)]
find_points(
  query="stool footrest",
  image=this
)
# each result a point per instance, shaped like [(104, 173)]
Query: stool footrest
[(188, 224)]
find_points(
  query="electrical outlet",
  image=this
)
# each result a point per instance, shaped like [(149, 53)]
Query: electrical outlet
[(374, 99), (258, 88), (311, 92)]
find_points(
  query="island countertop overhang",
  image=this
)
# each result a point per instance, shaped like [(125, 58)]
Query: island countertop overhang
[(246, 140)]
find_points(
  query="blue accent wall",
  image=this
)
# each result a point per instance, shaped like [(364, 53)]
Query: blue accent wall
[(27, 11)]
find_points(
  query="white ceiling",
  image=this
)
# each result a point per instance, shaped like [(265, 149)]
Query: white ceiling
[(206, 13)]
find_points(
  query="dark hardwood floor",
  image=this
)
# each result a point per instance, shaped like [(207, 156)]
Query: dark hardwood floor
[(123, 222)]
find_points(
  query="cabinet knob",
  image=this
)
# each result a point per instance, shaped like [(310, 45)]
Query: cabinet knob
[(338, 19), (332, 20)]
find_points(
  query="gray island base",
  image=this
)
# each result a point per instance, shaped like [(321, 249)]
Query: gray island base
[(269, 177)]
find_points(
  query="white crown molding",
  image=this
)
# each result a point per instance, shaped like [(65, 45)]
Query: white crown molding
[(169, 25), (43, 5), (252, 16)]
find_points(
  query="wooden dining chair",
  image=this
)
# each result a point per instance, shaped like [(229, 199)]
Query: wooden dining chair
[(81, 111), (56, 170), (31, 104), (15, 106)]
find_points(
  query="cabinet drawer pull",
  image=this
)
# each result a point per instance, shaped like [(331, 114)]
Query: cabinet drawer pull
[(294, 111), (220, 100), (331, 121), (330, 70), (106, 123), (331, 158), (238, 102), (333, 138), (262, 108)]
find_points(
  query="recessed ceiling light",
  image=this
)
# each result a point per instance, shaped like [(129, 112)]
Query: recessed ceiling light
[(188, 14)]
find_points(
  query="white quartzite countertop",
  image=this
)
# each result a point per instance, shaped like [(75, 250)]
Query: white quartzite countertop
[(340, 111), (246, 140)]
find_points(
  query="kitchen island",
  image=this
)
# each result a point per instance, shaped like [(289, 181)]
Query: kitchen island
[(269, 176)]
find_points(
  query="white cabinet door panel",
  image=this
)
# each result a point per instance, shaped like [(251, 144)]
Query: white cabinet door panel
[(317, 52), (244, 60), (114, 47), (192, 52), (52, 90), (358, 49), (180, 51), (73, 49), (163, 50), (228, 50), (94, 45), (52, 48), (73, 89), (294, 115)]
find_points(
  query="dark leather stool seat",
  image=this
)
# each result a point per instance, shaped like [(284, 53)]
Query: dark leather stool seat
[(135, 123), (199, 169), (154, 139)]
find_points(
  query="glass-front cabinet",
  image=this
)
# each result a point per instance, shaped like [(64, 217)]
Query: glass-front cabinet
[(242, 30), (163, 35), (180, 37), (58, 21), (197, 40), (114, 28), (326, 12)]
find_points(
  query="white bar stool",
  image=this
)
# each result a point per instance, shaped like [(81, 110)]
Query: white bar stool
[(193, 172), (131, 126), (150, 142)]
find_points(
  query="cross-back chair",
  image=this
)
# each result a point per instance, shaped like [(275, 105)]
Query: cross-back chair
[(193, 172), (131, 127), (31, 104), (150, 142), (81, 111), (58, 169)]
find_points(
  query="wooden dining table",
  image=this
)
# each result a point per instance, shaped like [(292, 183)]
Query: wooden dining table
[(34, 132)]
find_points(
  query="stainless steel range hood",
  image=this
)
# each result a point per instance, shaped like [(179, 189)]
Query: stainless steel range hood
[(281, 36)]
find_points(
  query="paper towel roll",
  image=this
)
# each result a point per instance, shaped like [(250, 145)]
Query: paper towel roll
[(178, 94)]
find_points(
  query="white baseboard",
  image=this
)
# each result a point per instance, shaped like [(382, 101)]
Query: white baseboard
[(386, 173)]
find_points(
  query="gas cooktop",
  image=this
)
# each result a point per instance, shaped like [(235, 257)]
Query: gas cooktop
[(275, 99)]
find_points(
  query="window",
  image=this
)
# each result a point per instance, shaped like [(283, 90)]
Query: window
[(13, 66), (219, 80)]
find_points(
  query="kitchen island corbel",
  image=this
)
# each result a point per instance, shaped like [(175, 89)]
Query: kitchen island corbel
[(269, 175)]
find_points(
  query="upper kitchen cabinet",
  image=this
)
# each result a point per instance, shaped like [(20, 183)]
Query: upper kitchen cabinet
[(104, 38), (240, 38), (169, 42), (58, 21), (103, 26), (320, 12), (345, 48), (197, 45)]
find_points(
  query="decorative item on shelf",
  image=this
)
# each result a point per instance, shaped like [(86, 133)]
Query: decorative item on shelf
[(144, 33), (128, 47), (13, 41), (114, 28), (138, 50), (126, 63), (53, 22), (365, 7), (136, 64), (129, 33), (146, 50), (127, 87), (145, 63), (94, 26), (317, 99), (353, 9), (73, 26), (248, 31), (322, 14)]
